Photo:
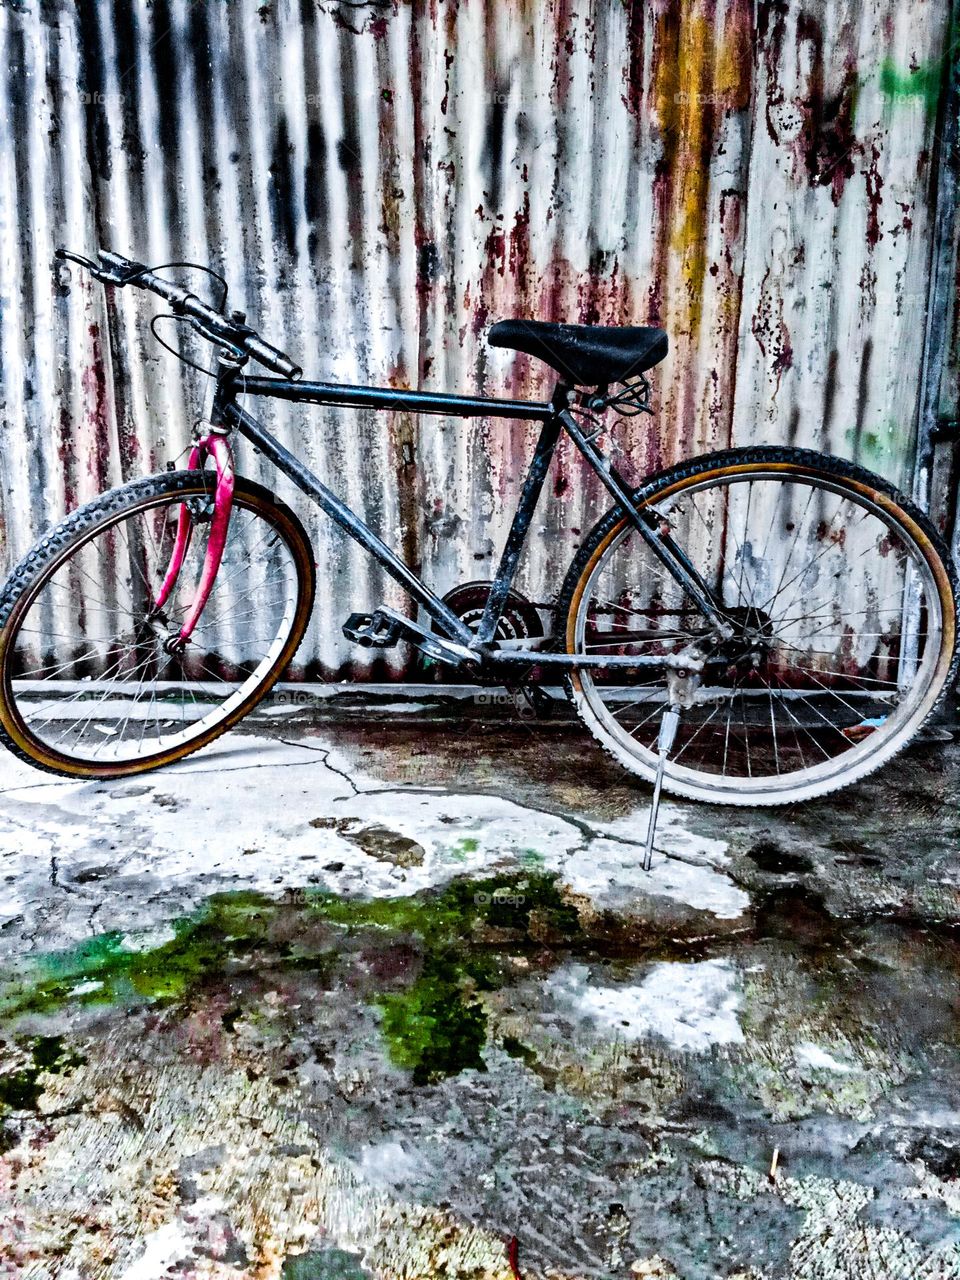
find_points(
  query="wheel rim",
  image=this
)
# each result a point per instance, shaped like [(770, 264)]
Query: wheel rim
[(874, 678), (86, 679)]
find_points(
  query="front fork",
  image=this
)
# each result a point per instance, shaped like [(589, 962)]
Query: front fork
[(216, 446), (210, 442)]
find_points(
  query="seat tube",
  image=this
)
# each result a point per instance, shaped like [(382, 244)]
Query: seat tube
[(529, 497)]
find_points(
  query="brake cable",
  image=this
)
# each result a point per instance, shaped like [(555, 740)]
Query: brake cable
[(171, 315)]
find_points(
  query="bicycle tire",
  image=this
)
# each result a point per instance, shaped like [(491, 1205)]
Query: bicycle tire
[(55, 548), (756, 461)]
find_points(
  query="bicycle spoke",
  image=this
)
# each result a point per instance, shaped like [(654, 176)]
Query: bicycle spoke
[(134, 699), (780, 706)]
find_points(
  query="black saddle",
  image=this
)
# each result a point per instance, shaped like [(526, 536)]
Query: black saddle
[(585, 355)]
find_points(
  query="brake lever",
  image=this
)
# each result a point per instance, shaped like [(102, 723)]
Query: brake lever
[(99, 272), (105, 275)]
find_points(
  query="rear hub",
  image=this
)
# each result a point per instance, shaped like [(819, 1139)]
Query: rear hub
[(752, 640)]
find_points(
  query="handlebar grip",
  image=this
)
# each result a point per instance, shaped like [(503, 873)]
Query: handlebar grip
[(111, 269), (271, 358)]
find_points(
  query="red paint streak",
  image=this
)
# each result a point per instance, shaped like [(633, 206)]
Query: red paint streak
[(513, 1257), (771, 23), (633, 71), (495, 248), (828, 143), (94, 383), (374, 26), (563, 22), (770, 330), (837, 537), (728, 286), (519, 250), (481, 317)]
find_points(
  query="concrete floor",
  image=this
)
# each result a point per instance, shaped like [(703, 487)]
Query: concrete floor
[(340, 998)]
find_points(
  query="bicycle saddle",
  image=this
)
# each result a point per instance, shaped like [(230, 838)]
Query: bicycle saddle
[(585, 355)]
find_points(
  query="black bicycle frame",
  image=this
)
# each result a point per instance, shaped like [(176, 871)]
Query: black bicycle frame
[(555, 417)]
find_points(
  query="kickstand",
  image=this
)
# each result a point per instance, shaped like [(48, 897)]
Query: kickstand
[(540, 703), (665, 740)]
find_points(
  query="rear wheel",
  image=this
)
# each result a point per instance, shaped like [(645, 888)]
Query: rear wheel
[(87, 687), (843, 605)]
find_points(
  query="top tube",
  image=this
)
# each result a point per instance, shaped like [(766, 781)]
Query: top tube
[(398, 400)]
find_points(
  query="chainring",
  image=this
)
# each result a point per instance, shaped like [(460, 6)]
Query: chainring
[(518, 621)]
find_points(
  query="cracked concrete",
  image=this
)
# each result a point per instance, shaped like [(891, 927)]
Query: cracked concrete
[(378, 998)]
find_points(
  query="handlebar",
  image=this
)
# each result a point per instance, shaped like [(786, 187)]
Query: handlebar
[(117, 270)]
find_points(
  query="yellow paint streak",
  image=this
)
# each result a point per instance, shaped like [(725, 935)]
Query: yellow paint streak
[(698, 77)]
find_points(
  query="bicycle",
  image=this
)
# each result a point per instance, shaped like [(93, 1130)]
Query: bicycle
[(756, 626)]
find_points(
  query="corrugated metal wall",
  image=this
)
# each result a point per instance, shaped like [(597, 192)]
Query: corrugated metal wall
[(381, 181)]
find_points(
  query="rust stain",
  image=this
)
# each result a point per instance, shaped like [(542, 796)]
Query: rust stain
[(874, 199), (634, 87), (383, 174), (770, 330), (702, 73), (94, 383), (828, 142)]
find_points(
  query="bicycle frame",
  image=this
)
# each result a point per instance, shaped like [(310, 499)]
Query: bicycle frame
[(555, 417)]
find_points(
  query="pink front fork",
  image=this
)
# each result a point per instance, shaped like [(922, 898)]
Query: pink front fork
[(217, 447)]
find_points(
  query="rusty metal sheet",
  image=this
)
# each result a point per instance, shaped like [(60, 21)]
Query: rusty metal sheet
[(381, 182)]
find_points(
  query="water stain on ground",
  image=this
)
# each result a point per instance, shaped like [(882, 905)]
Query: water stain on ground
[(376, 840), (434, 992)]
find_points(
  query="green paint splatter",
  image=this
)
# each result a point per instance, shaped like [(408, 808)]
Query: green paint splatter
[(458, 852), (923, 82), (456, 911), (107, 972), (437, 1027), (867, 445)]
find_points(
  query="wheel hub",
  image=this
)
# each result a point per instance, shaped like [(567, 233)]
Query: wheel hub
[(753, 636)]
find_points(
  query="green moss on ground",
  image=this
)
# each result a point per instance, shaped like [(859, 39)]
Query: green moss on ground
[(20, 1090), (435, 1027)]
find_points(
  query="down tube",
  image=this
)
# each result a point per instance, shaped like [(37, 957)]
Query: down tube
[(351, 523)]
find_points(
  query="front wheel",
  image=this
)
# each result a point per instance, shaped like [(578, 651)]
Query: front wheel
[(844, 608), (87, 686)]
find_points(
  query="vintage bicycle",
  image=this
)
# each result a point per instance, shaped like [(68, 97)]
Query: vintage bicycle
[(756, 626)]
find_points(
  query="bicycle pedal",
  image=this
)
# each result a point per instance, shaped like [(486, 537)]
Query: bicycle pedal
[(372, 630), (386, 627)]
